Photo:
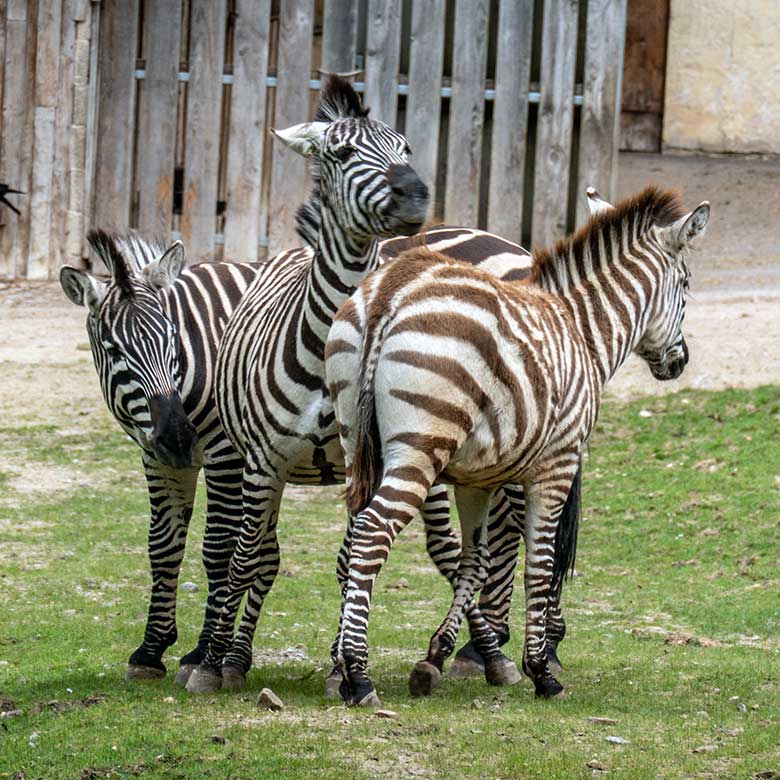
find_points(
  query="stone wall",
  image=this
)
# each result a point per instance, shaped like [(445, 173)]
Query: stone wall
[(723, 76)]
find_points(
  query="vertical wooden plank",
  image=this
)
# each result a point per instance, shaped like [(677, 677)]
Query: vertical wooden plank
[(47, 73), (383, 37), (18, 108), (339, 33), (157, 116), (423, 106), (91, 130), (204, 102), (3, 12), (510, 119), (600, 125), (247, 125), (467, 109), (554, 127), (64, 153), (644, 75), (116, 115), (74, 223), (288, 183)]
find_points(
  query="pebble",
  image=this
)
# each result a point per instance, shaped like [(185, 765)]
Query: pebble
[(617, 740), (741, 707), (169, 700), (597, 765), (385, 714), (705, 749), (190, 587), (269, 700)]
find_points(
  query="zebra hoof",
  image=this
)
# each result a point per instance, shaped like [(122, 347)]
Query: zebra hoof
[(425, 677), (137, 672), (467, 663), (369, 700), (185, 670), (233, 678), (549, 688), (501, 671), (333, 684), (203, 681)]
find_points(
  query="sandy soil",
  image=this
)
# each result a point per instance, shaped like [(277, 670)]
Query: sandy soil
[(732, 327)]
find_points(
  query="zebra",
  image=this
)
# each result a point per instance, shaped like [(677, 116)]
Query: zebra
[(269, 384), (184, 311), (516, 406), (154, 328)]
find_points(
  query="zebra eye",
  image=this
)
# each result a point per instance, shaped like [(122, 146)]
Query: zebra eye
[(343, 153), (408, 150), (111, 349)]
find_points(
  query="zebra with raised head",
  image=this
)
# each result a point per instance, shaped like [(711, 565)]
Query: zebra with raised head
[(270, 387), (517, 406)]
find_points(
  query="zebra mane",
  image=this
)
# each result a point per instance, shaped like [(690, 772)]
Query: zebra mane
[(652, 206), (125, 256), (338, 101)]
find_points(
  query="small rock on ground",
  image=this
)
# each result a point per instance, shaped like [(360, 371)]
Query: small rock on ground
[(190, 587), (385, 714), (597, 765), (269, 700), (617, 740)]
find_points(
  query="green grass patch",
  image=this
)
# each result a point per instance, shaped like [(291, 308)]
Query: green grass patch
[(674, 623)]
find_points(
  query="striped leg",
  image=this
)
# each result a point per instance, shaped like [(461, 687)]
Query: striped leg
[(400, 496), (545, 500), (171, 497), (223, 524), (256, 558), (473, 506), (445, 552)]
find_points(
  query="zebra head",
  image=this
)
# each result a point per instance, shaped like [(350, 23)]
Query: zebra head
[(135, 345), (360, 172), (662, 344)]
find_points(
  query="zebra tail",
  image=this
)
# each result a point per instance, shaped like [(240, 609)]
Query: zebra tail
[(366, 468), (566, 534)]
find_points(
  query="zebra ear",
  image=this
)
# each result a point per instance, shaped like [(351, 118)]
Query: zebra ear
[(690, 226), (596, 204), (305, 138), (82, 288), (164, 271)]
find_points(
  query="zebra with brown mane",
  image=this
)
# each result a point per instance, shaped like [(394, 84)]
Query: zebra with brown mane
[(440, 372)]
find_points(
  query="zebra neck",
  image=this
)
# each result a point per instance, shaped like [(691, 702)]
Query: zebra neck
[(609, 297), (340, 263)]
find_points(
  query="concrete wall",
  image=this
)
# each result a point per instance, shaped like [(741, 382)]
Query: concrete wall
[(723, 76)]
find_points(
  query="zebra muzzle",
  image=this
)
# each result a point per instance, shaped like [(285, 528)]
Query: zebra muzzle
[(173, 436)]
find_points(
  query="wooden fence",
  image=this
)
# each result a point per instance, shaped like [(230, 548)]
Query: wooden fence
[(154, 114)]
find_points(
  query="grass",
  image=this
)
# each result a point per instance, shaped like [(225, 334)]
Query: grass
[(674, 624)]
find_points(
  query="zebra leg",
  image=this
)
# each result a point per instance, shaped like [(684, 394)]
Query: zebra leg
[(545, 499), (256, 558), (398, 499), (335, 678), (238, 659), (503, 538), (171, 497), (444, 550), (473, 505), (223, 525)]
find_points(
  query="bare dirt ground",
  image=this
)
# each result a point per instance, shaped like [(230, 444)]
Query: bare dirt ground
[(732, 326)]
